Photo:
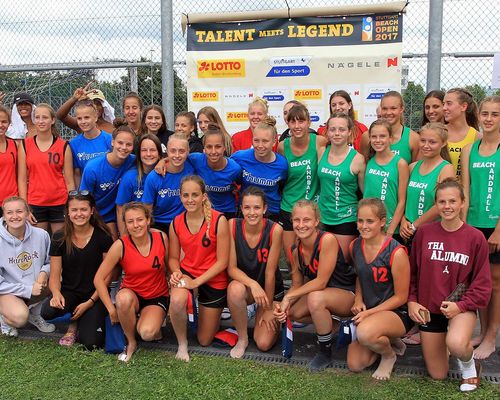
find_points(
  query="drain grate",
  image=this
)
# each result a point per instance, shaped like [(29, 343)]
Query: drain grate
[(265, 357)]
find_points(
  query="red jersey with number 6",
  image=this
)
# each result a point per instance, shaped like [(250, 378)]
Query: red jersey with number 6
[(46, 184), (145, 275)]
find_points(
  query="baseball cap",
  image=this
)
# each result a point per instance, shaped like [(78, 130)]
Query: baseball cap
[(23, 98), (96, 94)]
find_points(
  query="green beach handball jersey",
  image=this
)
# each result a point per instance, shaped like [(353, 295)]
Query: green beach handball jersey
[(484, 208), (421, 191), (338, 201), (382, 181), (302, 181), (402, 147)]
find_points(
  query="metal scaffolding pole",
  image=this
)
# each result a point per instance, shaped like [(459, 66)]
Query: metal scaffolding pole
[(434, 45), (167, 61)]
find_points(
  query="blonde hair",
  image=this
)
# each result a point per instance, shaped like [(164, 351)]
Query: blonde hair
[(442, 131), (207, 205), (376, 205), (53, 127), (259, 101), (268, 123)]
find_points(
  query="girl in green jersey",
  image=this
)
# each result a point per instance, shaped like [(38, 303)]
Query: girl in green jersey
[(424, 174), (386, 175), (300, 151), (481, 180), (341, 173)]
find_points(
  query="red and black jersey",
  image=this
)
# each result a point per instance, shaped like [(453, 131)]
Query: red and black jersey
[(145, 275), (375, 277), (253, 260), (343, 275)]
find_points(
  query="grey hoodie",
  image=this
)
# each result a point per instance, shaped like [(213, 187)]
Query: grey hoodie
[(21, 261)]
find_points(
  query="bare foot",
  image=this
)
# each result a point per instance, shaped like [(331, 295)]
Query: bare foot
[(384, 369), (128, 352), (239, 348), (484, 350), (476, 341), (398, 346), (182, 353)]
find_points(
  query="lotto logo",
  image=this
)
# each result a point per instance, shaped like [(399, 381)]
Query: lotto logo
[(232, 68), (205, 96), (237, 117), (307, 94)]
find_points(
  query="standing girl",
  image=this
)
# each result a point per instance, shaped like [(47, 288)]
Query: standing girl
[(162, 192), (202, 234), (132, 106), (153, 122), (92, 142), (262, 167), (322, 282), (340, 102), (433, 107), (253, 266), (219, 173), (46, 171), (142, 255), (301, 153), (424, 174), (75, 255), (209, 115), (341, 172), (131, 186), (460, 114), (404, 140), (379, 309), (103, 174), (185, 124), (481, 180), (386, 175), (8, 158), (446, 254), (257, 112)]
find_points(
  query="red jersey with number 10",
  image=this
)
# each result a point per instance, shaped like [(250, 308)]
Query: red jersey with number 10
[(46, 184), (145, 275)]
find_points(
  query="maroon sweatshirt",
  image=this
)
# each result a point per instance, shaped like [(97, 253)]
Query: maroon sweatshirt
[(440, 260)]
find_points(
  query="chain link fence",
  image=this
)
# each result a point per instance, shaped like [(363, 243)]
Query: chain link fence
[(51, 53)]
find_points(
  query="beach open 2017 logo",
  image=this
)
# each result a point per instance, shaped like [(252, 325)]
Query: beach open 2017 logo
[(221, 68)]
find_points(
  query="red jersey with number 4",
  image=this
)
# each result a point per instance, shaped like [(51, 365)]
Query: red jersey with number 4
[(46, 184), (145, 275), (200, 249), (8, 171)]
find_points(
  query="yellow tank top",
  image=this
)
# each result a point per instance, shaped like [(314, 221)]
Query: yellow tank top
[(455, 149)]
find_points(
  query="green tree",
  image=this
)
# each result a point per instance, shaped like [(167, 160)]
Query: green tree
[(478, 92), (413, 97)]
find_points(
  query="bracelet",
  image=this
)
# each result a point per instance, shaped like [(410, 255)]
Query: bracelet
[(92, 300), (412, 227)]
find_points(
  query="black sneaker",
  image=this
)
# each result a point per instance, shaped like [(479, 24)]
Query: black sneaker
[(320, 362)]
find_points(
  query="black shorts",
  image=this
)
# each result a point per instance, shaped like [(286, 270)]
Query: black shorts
[(161, 227), (162, 301), (209, 296), (48, 213), (347, 228), (494, 257), (279, 296), (285, 220), (405, 319), (437, 324)]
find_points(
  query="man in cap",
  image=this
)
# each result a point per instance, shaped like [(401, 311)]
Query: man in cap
[(23, 111)]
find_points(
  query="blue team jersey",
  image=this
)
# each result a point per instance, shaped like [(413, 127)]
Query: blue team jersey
[(266, 176), (163, 192), (102, 180), (219, 184), (129, 190), (84, 149)]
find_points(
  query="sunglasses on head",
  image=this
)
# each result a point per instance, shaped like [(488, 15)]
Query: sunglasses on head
[(74, 193)]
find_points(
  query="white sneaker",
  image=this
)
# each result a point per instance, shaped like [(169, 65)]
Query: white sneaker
[(251, 310), (40, 323), (6, 329)]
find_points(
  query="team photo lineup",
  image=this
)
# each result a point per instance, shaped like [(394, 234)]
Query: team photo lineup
[(389, 233)]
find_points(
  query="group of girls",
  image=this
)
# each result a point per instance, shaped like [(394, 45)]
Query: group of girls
[(279, 192)]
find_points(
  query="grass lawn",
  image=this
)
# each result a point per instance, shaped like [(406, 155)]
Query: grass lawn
[(43, 370)]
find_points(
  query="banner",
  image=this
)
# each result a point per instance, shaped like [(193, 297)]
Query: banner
[(306, 59)]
